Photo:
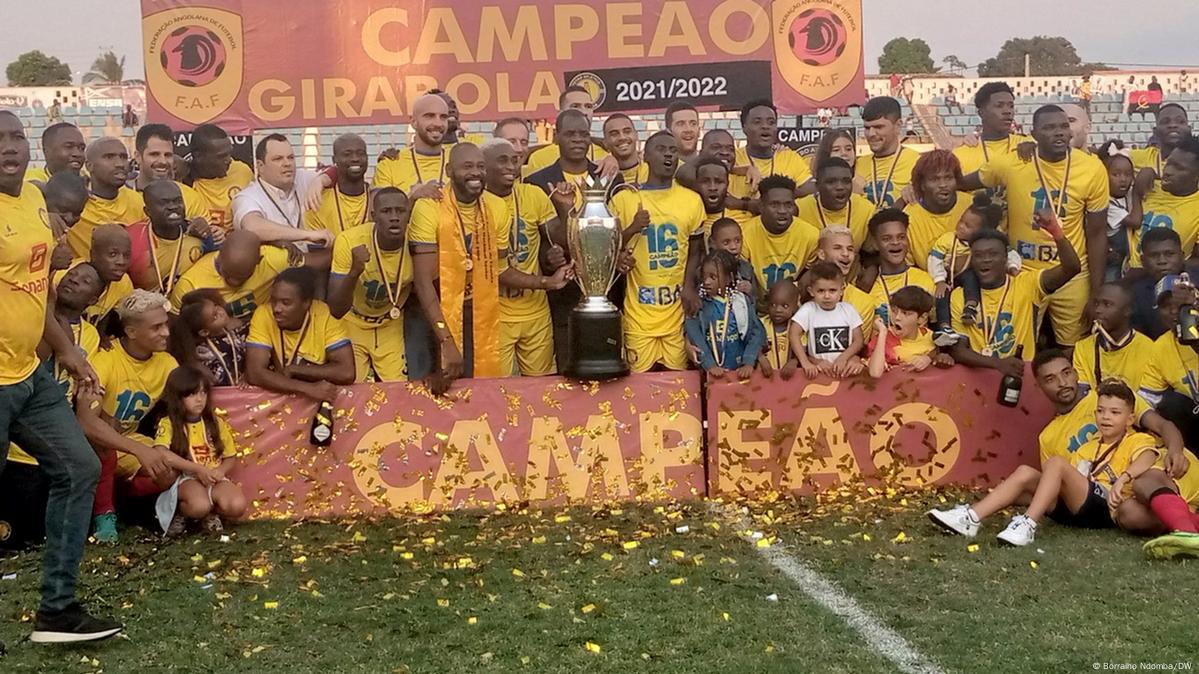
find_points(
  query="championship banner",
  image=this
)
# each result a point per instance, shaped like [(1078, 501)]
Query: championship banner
[(911, 429), (247, 64), (806, 139), (544, 440)]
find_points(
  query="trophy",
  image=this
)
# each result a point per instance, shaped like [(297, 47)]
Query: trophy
[(595, 332)]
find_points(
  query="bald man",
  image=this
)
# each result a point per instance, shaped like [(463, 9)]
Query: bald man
[(107, 162), (110, 250), (1080, 125), (420, 169), (242, 271), (345, 204)]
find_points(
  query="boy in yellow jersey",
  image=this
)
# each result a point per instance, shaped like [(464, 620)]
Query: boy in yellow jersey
[(907, 342), (346, 203), (782, 301), (778, 244), (836, 246), (1059, 182), (1002, 334), (996, 106), (242, 270), (295, 344), (64, 149), (938, 206), (1087, 489), (889, 230), (1176, 205), (526, 332), (369, 284), (154, 149), (420, 170), (110, 249), (215, 176), (620, 138), (834, 204), (161, 249), (665, 236), (761, 158), (1123, 353), (1171, 127), (578, 99), (110, 201), (33, 411), (131, 374), (888, 167)]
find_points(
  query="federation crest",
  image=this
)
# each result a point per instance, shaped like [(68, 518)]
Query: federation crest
[(194, 61), (593, 84), (817, 44)]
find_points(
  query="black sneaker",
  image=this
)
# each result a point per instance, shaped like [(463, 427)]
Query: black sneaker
[(71, 625)]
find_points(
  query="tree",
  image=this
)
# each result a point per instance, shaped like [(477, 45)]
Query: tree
[(954, 64), (1046, 56), (106, 69), (35, 69), (902, 55)]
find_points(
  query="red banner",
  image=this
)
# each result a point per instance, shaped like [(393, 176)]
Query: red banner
[(547, 441), (249, 64), (1144, 100), (936, 427)]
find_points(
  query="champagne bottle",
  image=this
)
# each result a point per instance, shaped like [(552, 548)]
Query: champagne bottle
[(1009, 387), (1187, 330), (322, 425)]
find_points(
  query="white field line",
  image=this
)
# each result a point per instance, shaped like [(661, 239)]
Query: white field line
[(877, 635)]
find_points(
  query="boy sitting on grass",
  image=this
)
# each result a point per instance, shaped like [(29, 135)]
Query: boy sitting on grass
[(907, 341), (1084, 489)]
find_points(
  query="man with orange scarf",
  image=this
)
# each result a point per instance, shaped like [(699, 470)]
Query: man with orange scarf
[(460, 258)]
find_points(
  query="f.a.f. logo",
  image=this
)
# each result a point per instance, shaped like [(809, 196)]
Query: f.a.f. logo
[(817, 44), (194, 61)]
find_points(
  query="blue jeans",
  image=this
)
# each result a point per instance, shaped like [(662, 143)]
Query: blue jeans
[(35, 414)]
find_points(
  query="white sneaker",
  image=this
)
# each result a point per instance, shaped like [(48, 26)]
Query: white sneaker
[(1019, 532), (959, 520)]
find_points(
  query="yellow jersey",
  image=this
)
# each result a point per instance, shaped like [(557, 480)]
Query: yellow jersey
[(1005, 318), (411, 168), (1162, 209), (1127, 363), (131, 386), (972, 158), (530, 209), (925, 227), (1070, 430), (1087, 192), (636, 174), (865, 304), (544, 156), (886, 176), (109, 299), (1107, 462), (855, 215), (424, 226), (778, 343), (193, 203), (778, 256), (1148, 157), (1173, 366), (153, 259), (217, 193), (125, 209), (740, 217), (372, 301), (200, 446), (339, 212), (651, 302), (25, 245), (886, 285), (320, 334), (241, 301), (37, 173), (784, 162), (949, 248)]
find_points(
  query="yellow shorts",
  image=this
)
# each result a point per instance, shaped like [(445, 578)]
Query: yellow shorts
[(643, 352), (527, 347), (1188, 484), (127, 464), (379, 350), (1066, 307)]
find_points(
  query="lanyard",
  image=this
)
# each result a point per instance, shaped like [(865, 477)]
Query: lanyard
[(392, 297), (1058, 209), (848, 212), (165, 285), (469, 264), (76, 336), (276, 204), (718, 347), (887, 291), (1112, 345), (416, 168), (296, 351), (1103, 459), (983, 144), (774, 347), (990, 330), (232, 371), (337, 203), (881, 197)]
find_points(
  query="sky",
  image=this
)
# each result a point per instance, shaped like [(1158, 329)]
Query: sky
[(1158, 32)]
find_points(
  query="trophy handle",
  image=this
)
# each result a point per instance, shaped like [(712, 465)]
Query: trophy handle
[(617, 245)]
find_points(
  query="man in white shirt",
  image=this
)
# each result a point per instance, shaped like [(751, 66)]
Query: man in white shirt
[(273, 206)]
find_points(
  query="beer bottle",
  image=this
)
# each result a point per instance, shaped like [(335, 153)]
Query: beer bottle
[(322, 425)]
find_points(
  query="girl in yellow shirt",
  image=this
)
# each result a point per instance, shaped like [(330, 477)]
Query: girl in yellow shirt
[(192, 431)]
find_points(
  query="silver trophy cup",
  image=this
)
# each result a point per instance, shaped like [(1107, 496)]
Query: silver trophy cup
[(596, 342)]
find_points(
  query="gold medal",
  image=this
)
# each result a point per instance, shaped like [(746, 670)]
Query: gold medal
[(987, 352), (394, 313), (469, 264)]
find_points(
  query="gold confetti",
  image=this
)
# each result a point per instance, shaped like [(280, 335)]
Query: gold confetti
[(258, 572), (299, 560), (472, 620), (593, 647), (518, 573), (272, 605), (900, 538), (725, 616), (630, 545), (973, 547), (538, 540), (588, 608), (678, 554), (678, 581), (1033, 563), (406, 555), (562, 518), (544, 606), (443, 603)]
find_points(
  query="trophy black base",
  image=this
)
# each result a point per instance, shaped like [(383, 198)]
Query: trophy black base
[(596, 345)]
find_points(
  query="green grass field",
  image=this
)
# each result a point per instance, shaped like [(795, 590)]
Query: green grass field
[(674, 588)]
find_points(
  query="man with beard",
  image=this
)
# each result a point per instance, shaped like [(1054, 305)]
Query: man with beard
[(161, 248), (154, 149), (1059, 183), (835, 205), (888, 167), (1175, 204), (420, 169), (215, 176), (347, 203), (110, 201), (454, 133), (63, 148), (1171, 127), (526, 332), (938, 205), (620, 137), (682, 120), (663, 228)]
